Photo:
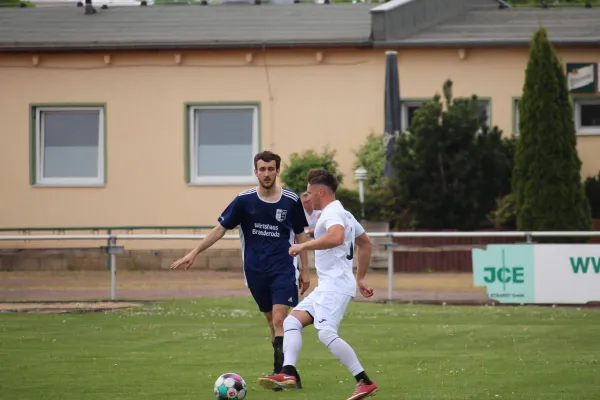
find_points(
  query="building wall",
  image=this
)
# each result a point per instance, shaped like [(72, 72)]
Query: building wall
[(304, 104)]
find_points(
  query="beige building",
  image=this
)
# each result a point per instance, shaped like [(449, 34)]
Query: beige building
[(150, 116)]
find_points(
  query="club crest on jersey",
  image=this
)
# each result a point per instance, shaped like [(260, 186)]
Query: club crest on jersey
[(280, 215)]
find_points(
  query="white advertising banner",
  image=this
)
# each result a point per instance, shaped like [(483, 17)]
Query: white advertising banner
[(539, 273)]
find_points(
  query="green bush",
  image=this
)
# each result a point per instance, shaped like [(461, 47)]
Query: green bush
[(377, 204), (371, 156), (294, 173)]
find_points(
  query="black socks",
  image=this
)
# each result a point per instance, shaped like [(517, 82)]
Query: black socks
[(290, 370), (277, 354), (364, 377), (278, 362)]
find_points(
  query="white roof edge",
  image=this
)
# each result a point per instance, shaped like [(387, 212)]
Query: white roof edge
[(390, 5)]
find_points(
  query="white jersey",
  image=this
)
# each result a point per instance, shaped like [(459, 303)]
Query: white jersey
[(334, 266), (312, 218)]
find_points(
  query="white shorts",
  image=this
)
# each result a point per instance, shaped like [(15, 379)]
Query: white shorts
[(327, 308)]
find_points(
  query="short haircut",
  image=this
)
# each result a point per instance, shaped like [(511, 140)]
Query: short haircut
[(322, 177), (267, 156), (304, 194)]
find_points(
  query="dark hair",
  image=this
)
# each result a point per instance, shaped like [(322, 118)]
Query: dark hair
[(267, 156), (322, 177)]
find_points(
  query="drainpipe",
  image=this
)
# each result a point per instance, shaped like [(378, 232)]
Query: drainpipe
[(89, 9)]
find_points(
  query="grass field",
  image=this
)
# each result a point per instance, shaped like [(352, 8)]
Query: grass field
[(176, 350)]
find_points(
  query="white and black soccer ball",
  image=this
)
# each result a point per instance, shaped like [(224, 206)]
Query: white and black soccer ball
[(230, 386)]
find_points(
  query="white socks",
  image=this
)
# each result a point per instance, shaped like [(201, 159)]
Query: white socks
[(292, 340), (341, 350), (292, 344)]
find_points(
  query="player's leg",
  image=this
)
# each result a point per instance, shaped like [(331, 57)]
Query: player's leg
[(279, 313), (293, 324), (292, 339), (329, 312), (261, 292), (269, 318), (284, 294)]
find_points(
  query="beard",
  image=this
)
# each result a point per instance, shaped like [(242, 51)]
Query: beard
[(266, 185)]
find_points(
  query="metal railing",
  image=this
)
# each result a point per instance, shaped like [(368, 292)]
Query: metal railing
[(113, 249), (25, 232)]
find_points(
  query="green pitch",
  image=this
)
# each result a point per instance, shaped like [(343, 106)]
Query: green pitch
[(176, 350)]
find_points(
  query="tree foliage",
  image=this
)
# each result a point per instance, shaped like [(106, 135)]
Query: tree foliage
[(371, 156), (294, 173), (547, 185), (592, 191), (451, 169)]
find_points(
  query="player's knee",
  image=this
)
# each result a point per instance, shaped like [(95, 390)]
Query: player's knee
[(327, 336), (278, 320), (291, 323)]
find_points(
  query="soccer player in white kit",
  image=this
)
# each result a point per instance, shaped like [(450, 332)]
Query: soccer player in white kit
[(335, 234)]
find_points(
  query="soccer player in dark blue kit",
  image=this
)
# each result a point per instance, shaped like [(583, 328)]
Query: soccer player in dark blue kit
[(270, 220)]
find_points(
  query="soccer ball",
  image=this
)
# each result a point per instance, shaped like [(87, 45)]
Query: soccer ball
[(230, 386)]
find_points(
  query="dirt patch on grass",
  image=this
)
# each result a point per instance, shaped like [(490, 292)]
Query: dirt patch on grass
[(66, 307)]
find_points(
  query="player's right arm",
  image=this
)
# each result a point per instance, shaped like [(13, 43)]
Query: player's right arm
[(213, 237), (229, 219)]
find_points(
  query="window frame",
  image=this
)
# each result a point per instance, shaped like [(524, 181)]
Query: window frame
[(191, 153), (578, 102), (515, 115), (404, 105), (488, 111), (37, 142)]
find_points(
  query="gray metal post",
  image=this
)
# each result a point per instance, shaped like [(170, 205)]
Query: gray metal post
[(390, 250), (528, 237)]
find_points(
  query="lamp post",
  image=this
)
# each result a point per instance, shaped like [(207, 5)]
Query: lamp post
[(361, 176)]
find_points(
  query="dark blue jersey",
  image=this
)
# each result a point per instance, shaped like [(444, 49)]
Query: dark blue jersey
[(267, 230)]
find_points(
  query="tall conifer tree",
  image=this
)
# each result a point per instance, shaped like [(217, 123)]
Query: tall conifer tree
[(546, 182)]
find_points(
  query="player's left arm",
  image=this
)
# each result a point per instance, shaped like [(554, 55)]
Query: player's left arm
[(364, 250)]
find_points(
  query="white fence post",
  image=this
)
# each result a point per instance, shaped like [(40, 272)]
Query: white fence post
[(113, 268), (390, 250)]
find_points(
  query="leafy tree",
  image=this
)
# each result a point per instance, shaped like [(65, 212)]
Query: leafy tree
[(371, 156), (505, 215), (451, 168), (378, 204), (547, 185), (294, 173)]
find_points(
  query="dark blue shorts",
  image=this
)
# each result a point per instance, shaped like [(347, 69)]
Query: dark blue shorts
[(270, 290)]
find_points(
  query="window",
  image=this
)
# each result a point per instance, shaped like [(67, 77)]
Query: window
[(223, 141), (408, 112), (516, 116), (587, 116), (69, 146), (484, 108)]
